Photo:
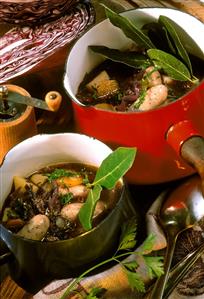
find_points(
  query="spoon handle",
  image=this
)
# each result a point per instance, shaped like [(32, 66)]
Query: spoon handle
[(180, 270), (158, 290)]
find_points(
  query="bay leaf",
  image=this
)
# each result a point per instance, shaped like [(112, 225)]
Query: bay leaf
[(173, 67), (129, 58), (170, 26), (157, 35), (87, 210), (170, 43), (129, 29), (110, 171), (114, 167)]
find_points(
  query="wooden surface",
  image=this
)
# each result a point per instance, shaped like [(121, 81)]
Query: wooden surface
[(49, 76)]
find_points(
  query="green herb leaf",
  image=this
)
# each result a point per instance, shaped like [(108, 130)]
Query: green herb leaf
[(157, 35), (114, 167), (60, 172), (87, 210), (129, 29), (170, 64), (139, 100), (128, 235), (132, 265), (95, 293), (135, 280), (170, 26), (129, 58), (170, 44), (147, 244), (66, 198), (155, 266)]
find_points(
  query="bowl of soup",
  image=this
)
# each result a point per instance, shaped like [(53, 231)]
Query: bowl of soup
[(133, 85), (43, 187)]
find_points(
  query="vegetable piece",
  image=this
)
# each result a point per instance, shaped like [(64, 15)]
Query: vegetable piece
[(20, 183), (170, 64), (105, 106), (36, 228), (129, 28), (102, 76), (8, 213), (130, 58), (70, 181), (60, 172), (47, 186), (107, 88), (38, 179), (15, 224)]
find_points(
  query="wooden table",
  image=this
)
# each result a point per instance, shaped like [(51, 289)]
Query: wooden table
[(48, 76)]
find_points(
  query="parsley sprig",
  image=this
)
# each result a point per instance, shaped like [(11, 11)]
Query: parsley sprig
[(60, 172), (126, 248)]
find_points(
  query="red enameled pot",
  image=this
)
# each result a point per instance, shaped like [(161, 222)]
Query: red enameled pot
[(159, 134)]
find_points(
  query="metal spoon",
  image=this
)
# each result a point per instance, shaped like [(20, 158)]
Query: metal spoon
[(182, 209), (181, 269)]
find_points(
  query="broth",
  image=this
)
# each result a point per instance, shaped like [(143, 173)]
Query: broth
[(54, 195)]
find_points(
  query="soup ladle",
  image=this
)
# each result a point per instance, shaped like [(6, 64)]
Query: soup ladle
[(182, 208)]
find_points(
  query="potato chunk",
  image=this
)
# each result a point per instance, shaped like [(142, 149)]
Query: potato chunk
[(20, 183), (38, 179), (91, 86)]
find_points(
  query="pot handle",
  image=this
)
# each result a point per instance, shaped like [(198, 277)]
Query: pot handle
[(189, 144), (5, 253)]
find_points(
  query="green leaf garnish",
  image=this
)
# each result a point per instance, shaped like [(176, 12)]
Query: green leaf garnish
[(60, 172), (132, 59), (169, 41), (135, 280), (95, 293), (139, 100), (110, 171), (154, 265), (170, 64), (129, 29), (114, 167), (87, 210), (66, 198), (128, 234), (170, 26), (148, 244)]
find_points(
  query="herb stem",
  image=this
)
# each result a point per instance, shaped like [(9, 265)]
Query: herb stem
[(78, 279)]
